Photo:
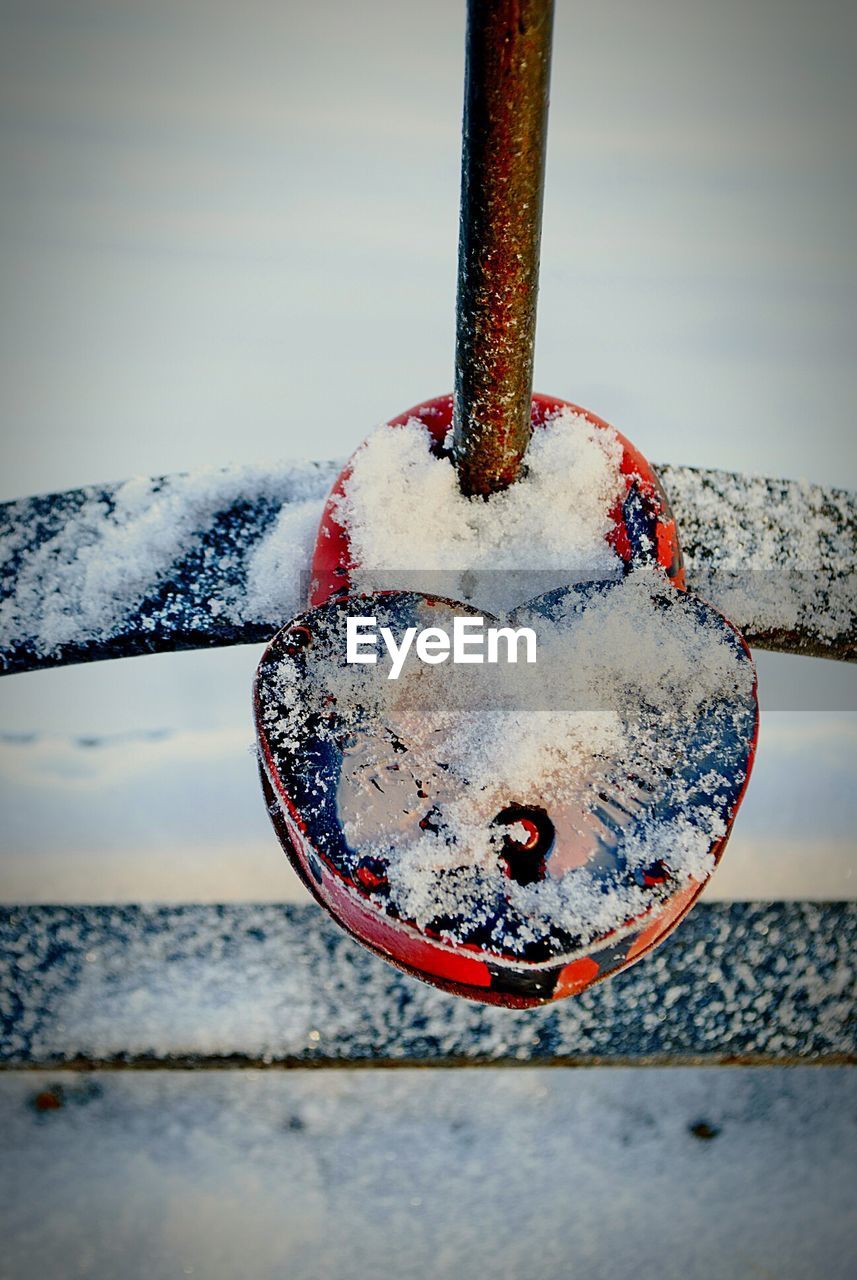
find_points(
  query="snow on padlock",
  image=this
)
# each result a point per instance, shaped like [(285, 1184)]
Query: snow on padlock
[(589, 503), (511, 832)]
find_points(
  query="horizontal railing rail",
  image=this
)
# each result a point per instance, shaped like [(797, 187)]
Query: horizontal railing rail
[(281, 985)]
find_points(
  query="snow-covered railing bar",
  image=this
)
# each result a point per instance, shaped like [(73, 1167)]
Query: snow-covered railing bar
[(240, 985), (221, 557)]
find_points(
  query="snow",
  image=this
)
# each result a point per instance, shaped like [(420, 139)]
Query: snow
[(776, 555), (405, 514), (321, 1175), (113, 547), (278, 568)]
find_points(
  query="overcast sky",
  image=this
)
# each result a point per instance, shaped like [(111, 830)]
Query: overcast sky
[(228, 232)]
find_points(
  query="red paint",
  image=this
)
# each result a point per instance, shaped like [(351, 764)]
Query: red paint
[(370, 879), (575, 977), (665, 920)]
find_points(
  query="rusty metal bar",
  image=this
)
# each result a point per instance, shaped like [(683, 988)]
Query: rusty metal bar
[(502, 182)]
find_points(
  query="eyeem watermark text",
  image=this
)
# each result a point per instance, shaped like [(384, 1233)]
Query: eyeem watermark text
[(471, 642)]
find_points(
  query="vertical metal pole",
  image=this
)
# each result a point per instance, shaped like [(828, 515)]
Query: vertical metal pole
[(502, 182)]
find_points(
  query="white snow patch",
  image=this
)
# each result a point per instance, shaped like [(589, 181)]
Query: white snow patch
[(405, 513), (771, 554), (277, 569), (117, 546)]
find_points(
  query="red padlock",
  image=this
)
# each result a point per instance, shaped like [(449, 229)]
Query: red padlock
[(306, 774)]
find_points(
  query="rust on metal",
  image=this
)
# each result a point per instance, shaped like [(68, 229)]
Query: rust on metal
[(502, 181)]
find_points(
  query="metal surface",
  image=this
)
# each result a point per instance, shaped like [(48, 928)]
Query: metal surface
[(266, 985), (502, 180)]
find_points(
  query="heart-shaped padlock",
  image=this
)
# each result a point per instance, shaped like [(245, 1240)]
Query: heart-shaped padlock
[(513, 833)]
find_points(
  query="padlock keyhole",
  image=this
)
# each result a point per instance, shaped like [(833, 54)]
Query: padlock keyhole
[(528, 844)]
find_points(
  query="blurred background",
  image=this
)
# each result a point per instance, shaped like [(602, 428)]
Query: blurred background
[(228, 233)]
